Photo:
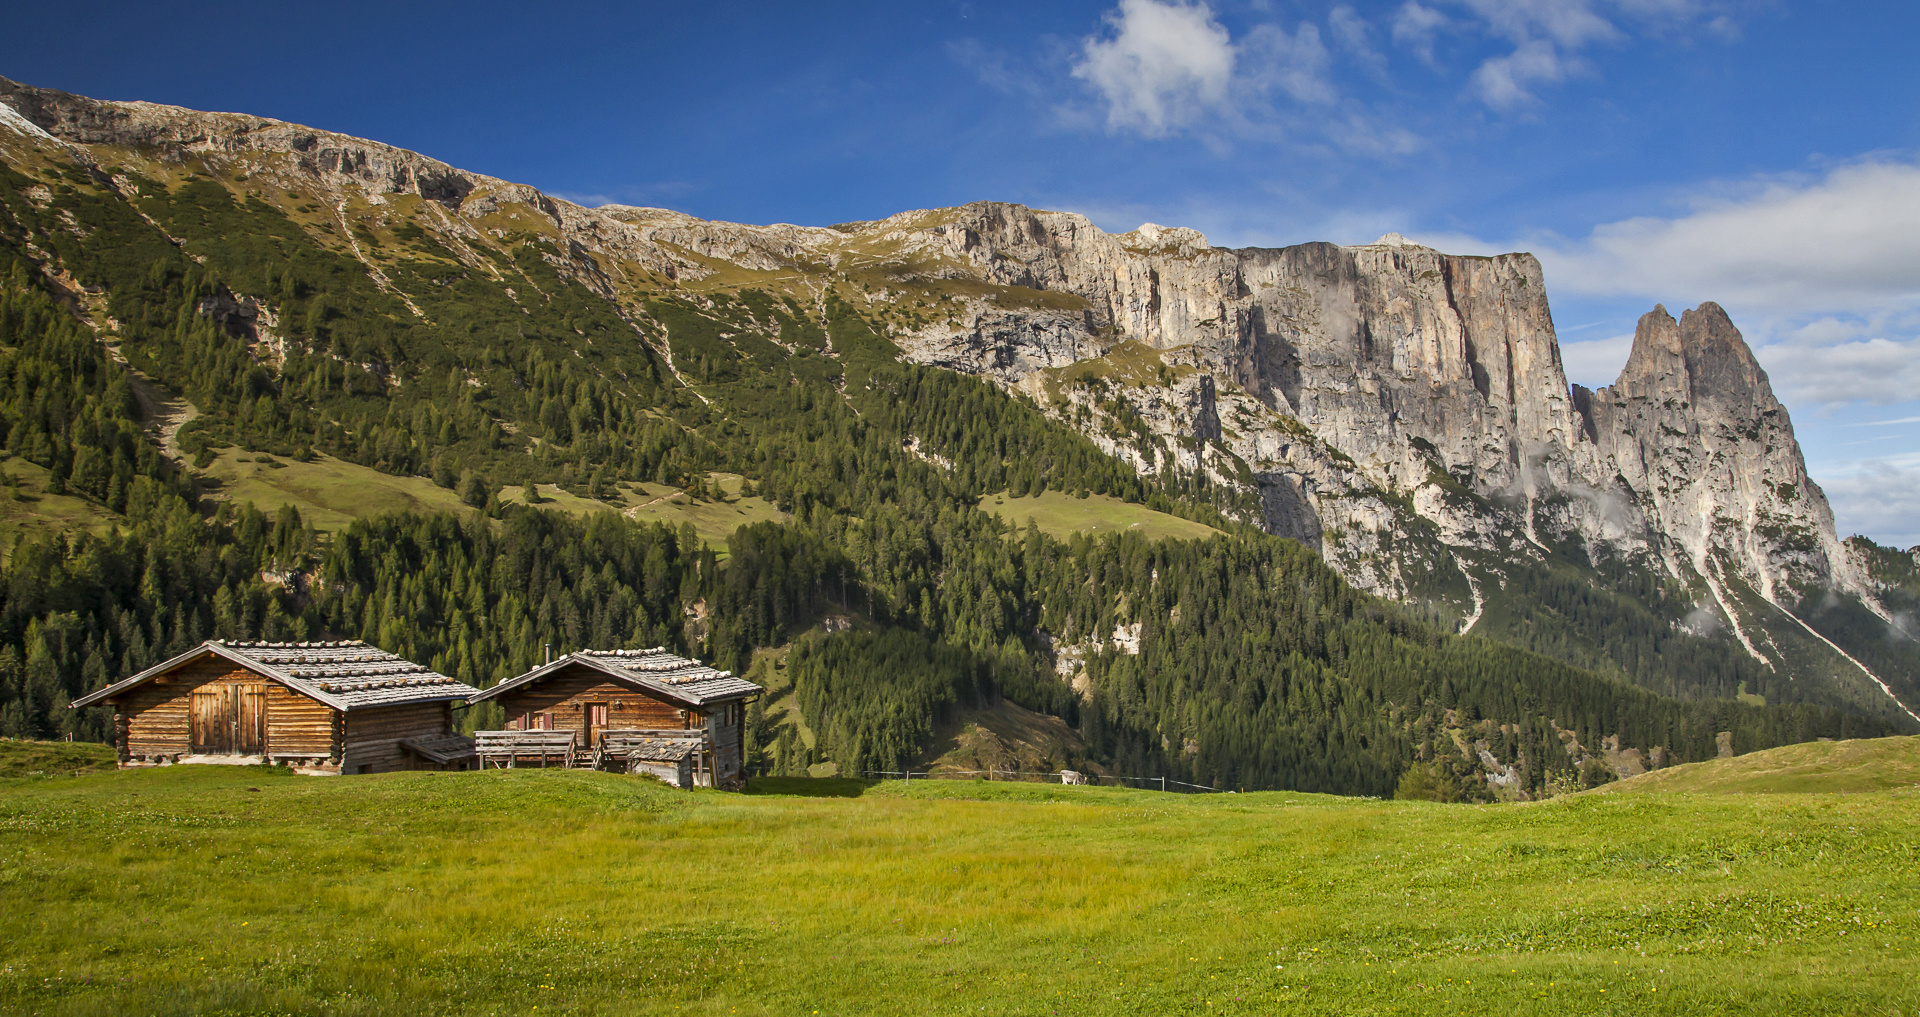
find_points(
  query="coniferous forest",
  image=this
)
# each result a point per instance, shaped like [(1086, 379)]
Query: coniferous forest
[(1246, 661)]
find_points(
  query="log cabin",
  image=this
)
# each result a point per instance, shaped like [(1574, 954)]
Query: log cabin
[(320, 707), (592, 692)]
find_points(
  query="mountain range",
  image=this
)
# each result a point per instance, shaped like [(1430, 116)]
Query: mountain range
[(1399, 412)]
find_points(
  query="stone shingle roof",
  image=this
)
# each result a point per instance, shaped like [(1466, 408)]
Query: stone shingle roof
[(669, 674), (345, 674), (359, 673), (688, 677)]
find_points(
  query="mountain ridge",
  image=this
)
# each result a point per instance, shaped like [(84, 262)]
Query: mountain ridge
[(1402, 411)]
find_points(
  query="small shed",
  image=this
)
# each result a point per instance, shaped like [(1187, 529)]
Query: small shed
[(326, 707), (668, 755), (593, 692)]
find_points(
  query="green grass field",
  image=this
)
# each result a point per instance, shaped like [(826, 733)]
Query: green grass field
[(330, 493), (1850, 767), (1061, 515), (33, 511), (715, 521), (196, 890)]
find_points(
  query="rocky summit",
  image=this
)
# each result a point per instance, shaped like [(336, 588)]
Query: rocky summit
[(1402, 411)]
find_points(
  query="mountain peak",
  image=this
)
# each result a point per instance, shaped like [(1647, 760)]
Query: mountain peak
[(1701, 357)]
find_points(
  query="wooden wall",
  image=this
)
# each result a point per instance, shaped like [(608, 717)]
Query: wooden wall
[(727, 727), (299, 730), (154, 720), (564, 696), (373, 735), (678, 774), (156, 715)]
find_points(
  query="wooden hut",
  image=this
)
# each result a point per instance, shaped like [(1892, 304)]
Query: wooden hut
[(594, 693), (327, 707)]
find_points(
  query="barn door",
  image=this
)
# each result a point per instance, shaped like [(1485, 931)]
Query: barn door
[(250, 723), (210, 724)]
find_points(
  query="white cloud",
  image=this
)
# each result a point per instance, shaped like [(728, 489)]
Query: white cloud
[(1162, 67), (1877, 371), (1354, 36), (1507, 81), (1292, 62), (1850, 240), (1350, 30), (1570, 23), (1881, 498), (1547, 36), (1167, 67), (1595, 362), (1414, 28)]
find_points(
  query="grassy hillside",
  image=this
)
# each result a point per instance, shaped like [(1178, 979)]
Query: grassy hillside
[(219, 889), (1059, 514), (1009, 737), (53, 759), (713, 520), (26, 507), (329, 492), (1845, 767)]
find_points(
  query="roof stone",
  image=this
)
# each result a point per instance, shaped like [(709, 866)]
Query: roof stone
[(684, 675), (360, 674)]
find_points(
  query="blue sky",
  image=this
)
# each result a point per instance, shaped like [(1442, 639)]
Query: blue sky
[(1762, 154)]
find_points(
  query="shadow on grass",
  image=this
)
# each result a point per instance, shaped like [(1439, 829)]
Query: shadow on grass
[(808, 787)]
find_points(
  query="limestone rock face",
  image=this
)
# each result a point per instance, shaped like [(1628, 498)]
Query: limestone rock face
[(1399, 361), (1692, 425)]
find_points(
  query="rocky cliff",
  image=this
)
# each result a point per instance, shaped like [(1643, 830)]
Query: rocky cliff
[(1402, 410)]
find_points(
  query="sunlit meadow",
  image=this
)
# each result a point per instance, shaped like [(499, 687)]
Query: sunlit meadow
[(250, 890)]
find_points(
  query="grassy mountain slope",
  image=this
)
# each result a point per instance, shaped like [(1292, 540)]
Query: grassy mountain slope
[(1825, 767)]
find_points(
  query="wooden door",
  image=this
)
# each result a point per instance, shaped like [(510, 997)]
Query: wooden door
[(211, 726), (250, 720), (596, 722)]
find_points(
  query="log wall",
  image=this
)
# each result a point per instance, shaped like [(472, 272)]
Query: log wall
[(154, 721), (298, 728), (372, 736), (158, 713), (727, 727), (563, 697)]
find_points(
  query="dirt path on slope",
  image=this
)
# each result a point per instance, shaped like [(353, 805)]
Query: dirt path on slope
[(166, 412)]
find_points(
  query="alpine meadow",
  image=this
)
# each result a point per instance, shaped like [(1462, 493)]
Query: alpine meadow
[(995, 531)]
